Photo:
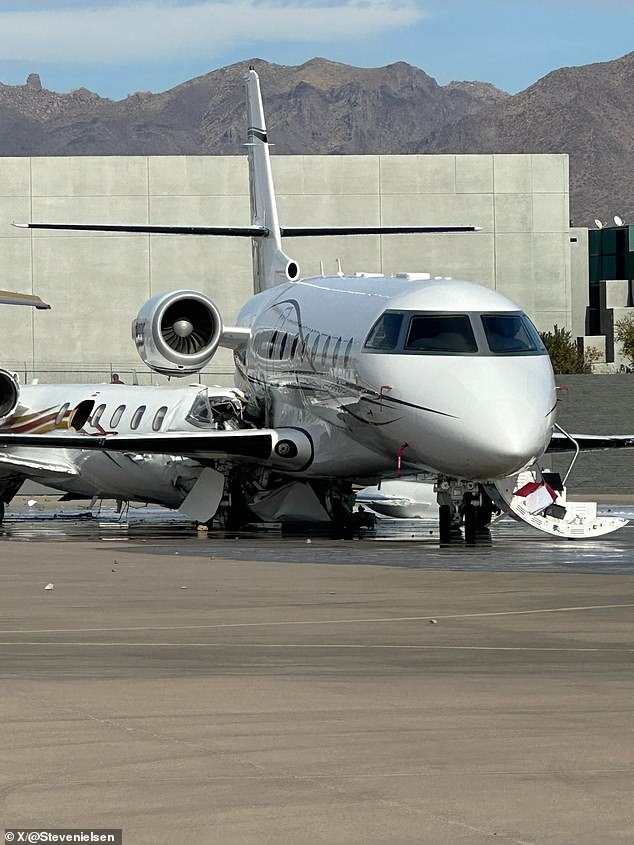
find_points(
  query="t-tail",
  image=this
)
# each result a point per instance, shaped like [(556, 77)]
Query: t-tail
[(271, 265)]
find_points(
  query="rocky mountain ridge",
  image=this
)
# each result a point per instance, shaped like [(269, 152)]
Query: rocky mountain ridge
[(324, 107)]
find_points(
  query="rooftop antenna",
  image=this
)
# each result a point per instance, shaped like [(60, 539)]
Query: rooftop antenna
[(598, 223), (618, 220)]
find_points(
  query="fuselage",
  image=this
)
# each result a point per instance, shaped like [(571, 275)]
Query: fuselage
[(400, 373), (113, 409)]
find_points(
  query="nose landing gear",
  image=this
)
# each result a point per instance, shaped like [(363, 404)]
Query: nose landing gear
[(462, 504)]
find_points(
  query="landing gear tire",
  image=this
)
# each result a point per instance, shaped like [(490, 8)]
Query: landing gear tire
[(237, 515), (444, 524), (470, 523), (485, 512)]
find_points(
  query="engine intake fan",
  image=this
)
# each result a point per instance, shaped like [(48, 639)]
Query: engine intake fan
[(177, 333), (9, 394)]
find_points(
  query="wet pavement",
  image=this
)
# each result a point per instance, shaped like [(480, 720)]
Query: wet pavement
[(508, 546), (257, 688)]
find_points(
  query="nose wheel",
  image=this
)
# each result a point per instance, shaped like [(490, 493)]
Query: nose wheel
[(470, 509), (445, 518)]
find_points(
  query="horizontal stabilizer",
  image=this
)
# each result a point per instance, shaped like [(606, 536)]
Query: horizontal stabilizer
[(312, 231), (249, 231), (151, 229)]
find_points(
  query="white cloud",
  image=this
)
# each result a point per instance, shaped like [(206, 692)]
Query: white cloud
[(89, 33)]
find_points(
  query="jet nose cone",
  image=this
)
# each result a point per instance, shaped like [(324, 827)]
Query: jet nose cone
[(509, 436)]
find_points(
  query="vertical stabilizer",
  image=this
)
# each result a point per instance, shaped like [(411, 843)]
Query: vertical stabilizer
[(271, 266)]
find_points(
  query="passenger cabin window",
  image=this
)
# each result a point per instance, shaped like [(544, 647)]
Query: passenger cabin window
[(137, 417), (313, 351), (114, 420), (159, 416), (348, 352), (512, 334), (445, 334), (385, 332), (97, 414), (272, 342)]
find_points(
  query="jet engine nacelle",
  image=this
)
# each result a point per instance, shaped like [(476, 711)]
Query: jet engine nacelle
[(177, 333), (9, 394)]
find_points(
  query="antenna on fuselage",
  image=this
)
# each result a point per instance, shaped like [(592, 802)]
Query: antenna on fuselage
[(271, 266)]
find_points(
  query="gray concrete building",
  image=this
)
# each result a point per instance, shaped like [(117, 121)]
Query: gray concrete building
[(96, 283)]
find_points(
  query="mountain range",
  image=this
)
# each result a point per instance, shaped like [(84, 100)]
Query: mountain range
[(324, 107)]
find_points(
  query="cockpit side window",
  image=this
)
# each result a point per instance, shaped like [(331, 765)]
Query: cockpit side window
[(447, 334), (385, 332), (511, 334)]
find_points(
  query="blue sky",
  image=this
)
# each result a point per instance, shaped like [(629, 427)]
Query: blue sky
[(117, 47)]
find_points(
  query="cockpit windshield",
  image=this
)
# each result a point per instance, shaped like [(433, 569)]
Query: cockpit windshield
[(511, 334), (472, 333), (385, 332), (448, 334)]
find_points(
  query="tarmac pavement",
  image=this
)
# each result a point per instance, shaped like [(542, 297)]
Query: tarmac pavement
[(263, 690)]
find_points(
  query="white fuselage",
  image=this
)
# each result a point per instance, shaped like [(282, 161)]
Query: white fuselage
[(124, 409), (475, 414)]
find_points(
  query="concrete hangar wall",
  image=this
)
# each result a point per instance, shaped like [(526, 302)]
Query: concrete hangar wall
[(96, 282)]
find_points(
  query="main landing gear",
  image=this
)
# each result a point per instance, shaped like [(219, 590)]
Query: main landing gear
[(462, 505)]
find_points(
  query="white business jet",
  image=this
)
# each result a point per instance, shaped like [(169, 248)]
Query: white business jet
[(108, 409), (345, 379), (165, 480)]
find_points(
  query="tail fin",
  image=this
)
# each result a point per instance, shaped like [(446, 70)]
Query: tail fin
[(271, 266)]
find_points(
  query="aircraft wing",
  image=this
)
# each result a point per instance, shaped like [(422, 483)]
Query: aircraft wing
[(25, 465), (9, 297), (588, 442), (289, 449)]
